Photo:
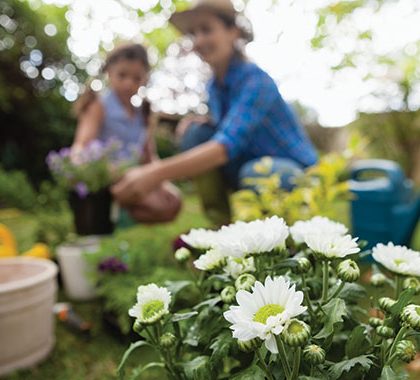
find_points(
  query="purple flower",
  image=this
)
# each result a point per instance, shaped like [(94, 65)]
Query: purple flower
[(179, 243), (81, 190), (53, 161), (112, 265), (65, 152)]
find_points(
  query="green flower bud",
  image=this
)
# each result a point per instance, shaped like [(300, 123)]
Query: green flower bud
[(377, 280), (137, 327), (249, 345), (348, 271), (314, 354), (375, 322), (245, 282), (411, 316), (296, 333), (412, 283), (405, 350), (303, 266), (386, 303), (385, 332), (228, 294), (182, 254), (167, 340)]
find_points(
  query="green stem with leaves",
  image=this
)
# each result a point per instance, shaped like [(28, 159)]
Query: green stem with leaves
[(264, 366), (283, 356), (399, 336), (338, 291), (325, 268), (296, 364), (307, 298), (398, 286)]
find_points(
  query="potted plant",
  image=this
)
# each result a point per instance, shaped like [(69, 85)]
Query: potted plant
[(87, 177)]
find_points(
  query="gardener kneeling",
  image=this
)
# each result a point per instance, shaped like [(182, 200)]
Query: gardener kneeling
[(248, 119)]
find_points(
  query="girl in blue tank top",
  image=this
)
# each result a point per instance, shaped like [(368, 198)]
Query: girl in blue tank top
[(113, 116)]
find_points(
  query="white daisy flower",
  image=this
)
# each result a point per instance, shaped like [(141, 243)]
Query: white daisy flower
[(332, 246), (317, 225), (152, 304), (398, 259), (259, 236), (210, 260), (200, 238), (264, 312), (235, 266)]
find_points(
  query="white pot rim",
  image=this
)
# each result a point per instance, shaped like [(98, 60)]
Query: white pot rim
[(50, 271)]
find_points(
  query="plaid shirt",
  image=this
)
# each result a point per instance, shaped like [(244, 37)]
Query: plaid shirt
[(253, 120)]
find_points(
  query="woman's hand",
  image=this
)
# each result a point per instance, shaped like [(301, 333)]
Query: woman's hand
[(187, 121), (136, 184)]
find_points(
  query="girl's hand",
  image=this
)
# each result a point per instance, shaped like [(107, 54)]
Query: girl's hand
[(136, 184), (187, 121)]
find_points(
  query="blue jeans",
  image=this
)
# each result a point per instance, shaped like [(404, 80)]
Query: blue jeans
[(236, 171)]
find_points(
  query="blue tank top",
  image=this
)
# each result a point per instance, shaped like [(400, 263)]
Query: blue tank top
[(118, 124)]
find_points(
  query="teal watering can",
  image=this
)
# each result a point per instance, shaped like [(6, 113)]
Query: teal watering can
[(385, 206)]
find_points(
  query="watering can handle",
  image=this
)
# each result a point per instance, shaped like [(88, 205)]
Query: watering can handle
[(389, 168)]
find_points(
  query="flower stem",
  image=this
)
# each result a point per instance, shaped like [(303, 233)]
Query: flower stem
[(306, 297), (283, 357), (296, 364), (338, 291), (324, 281), (399, 336), (264, 365), (398, 287)]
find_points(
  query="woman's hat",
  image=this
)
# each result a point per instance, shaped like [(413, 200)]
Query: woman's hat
[(183, 20)]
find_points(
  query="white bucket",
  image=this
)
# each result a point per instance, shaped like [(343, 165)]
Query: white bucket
[(27, 294), (74, 268)]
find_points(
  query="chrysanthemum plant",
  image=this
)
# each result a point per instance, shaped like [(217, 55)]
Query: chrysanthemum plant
[(281, 303)]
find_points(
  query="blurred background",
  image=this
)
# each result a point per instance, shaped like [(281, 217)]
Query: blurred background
[(352, 64)]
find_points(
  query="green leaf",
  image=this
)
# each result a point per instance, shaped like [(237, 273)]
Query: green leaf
[(220, 347), (183, 316), (251, 373), (357, 343), (389, 374), (286, 263), (210, 303), (198, 369), (339, 368), (176, 287), (139, 370), (127, 353), (403, 300), (353, 293), (334, 312)]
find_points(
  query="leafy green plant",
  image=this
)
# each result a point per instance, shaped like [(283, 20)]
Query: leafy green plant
[(294, 314), (322, 190)]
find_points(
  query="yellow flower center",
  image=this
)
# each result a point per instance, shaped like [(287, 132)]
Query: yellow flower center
[(267, 311), (399, 261), (418, 310), (295, 328), (151, 308)]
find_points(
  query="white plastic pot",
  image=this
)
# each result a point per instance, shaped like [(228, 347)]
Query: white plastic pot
[(27, 295), (74, 268)]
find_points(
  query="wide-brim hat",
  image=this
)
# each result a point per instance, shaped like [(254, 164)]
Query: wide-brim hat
[(183, 20)]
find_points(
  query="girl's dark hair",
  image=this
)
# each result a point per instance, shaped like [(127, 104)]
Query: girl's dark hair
[(131, 52)]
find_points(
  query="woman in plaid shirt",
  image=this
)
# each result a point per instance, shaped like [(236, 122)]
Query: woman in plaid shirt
[(248, 119)]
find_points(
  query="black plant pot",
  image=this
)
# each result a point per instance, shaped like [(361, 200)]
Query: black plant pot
[(92, 214)]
